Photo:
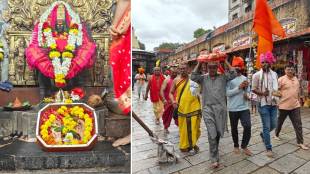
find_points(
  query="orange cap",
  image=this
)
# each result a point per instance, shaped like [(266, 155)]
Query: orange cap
[(237, 62)]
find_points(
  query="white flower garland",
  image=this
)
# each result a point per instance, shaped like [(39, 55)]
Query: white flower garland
[(60, 68)]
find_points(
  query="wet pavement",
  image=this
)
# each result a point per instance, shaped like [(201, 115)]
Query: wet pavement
[(288, 157)]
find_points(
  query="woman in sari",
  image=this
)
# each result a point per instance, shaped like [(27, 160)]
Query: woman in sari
[(120, 59)]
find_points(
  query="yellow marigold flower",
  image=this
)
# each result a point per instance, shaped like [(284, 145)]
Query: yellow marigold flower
[(86, 133), (44, 126), (44, 132), (47, 30), (81, 116), (67, 54), (74, 31), (52, 116), (44, 137), (60, 76), (52, 119), (84, 140), (67, 115), (48, 123), (70, 47), (54, 54), (53, 46), (88, 136), (64, 108), (88, 129), (86, 116), (75, 141), (60, 111), (68, 101), (88, 120), (65, 130)]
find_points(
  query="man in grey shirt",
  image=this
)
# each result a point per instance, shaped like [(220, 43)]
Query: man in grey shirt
[(214, 109)]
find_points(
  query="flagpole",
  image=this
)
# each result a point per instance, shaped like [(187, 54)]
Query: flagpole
[(249, 79)]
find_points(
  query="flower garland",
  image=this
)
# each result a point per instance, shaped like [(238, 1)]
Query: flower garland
[(69, 118), (61, 68)]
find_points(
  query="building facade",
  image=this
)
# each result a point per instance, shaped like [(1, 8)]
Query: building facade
[(236, 38), (238, 8)]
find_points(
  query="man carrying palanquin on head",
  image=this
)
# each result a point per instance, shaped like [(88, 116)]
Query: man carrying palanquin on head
[(60, 47), (214, 109)]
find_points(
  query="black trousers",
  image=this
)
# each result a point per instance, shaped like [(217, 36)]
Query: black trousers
[(295, 118), (245, 119)]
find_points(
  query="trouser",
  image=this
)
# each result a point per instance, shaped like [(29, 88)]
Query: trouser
[(158, 108), (214, 148), (268, 116), (245, 120), (294, 116)]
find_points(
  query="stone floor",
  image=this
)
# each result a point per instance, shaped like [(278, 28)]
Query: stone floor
[(24, 157), (288, 159)]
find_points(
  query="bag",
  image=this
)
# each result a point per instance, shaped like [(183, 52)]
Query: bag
[(175, 111)]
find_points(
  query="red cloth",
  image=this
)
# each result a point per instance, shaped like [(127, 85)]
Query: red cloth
[(265, 24), (167, 116), (167, 89), (120, 57), (155, 84)]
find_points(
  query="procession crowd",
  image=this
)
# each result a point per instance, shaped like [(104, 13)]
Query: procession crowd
[(213, 92)]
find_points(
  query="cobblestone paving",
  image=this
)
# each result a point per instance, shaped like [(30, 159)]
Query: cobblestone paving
[(288, 159)]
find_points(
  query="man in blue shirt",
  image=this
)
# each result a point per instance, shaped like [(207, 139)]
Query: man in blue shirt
[(238, 107)]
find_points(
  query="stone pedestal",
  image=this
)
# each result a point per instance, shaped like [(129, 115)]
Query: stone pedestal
[(113, 125), (28, 156)]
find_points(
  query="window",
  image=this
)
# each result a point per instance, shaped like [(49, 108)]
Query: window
[(248, 8), (235, 16)]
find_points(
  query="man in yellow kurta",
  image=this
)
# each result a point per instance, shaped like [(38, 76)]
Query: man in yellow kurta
[(189, 111)]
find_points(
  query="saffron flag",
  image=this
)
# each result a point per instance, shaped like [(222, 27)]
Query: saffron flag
[(265, 24)]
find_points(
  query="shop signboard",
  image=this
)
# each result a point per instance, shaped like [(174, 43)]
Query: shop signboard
[(242, 40), (289, 25), (219, 48)]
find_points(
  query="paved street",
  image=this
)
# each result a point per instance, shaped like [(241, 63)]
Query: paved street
[(288, 159)]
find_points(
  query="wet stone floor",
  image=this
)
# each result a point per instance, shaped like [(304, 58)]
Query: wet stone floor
[(288, 157)]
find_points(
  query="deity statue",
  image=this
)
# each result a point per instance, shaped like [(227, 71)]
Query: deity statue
[(20, 61), (12, 73), (60, 49), (99, 65)]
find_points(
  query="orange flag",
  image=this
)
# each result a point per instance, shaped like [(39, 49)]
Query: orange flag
[(265, 24)]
